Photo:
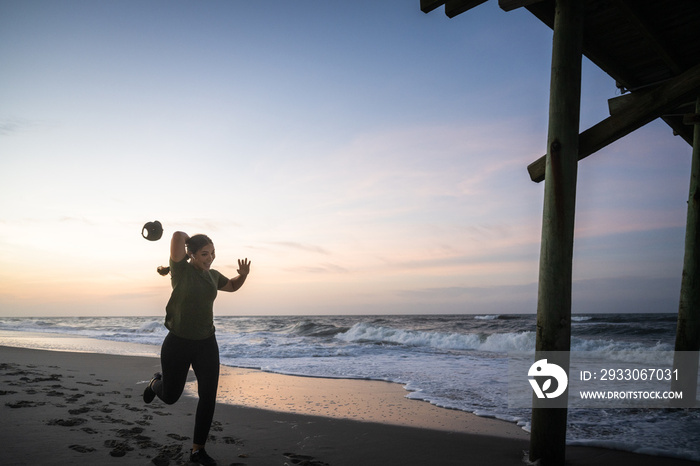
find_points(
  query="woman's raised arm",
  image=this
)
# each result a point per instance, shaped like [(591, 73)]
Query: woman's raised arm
[(178, 250)]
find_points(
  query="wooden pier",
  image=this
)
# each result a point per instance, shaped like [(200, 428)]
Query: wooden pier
[(652, 50)]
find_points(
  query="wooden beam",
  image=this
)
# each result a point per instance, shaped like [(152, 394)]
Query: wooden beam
[(548, 431), (621, 102), (679, 129), (642, 107), (642, 25), (457, 7), (691, 119), (673, 118), (617, 104), (509, 5), (426, 6), (452, 7), (544, 11)]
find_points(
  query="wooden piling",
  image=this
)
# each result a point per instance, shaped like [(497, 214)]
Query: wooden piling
[(688, 329), (548, 434)]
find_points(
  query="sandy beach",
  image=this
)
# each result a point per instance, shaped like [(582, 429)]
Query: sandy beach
[(85, 408)]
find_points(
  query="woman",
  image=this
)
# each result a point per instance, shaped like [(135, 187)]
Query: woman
[(191, 340)]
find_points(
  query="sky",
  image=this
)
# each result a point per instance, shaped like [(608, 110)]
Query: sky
[(366, 157)]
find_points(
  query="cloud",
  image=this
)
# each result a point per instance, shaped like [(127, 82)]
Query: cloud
[(10, 126), (505, 299), (483, 260), (146, 294), (471, 292), (626, 294), (623, 294), (299, 246), (326, 268), (81, 220)]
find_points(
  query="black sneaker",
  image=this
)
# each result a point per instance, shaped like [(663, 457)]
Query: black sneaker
[(200, 457), (148, 393)]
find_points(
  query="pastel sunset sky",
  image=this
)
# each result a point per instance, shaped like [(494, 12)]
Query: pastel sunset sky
[(366, 157)]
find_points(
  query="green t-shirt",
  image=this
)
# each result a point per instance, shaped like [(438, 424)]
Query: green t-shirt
[(190, 310)]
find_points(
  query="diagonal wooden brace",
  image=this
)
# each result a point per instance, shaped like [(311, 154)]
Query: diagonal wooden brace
[(641, 108)]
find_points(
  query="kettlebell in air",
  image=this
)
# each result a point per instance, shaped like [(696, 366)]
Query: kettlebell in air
[(152, 231)]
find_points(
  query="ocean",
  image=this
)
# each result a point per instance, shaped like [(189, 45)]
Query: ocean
[(452, 361)]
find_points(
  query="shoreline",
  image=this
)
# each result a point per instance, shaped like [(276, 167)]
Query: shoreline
[(81, 408), (354, 399)]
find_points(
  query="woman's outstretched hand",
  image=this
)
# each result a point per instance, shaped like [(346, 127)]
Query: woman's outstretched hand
[(236, 282), (243, 267)]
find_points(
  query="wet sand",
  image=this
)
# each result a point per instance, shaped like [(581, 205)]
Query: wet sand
[(85, 408)]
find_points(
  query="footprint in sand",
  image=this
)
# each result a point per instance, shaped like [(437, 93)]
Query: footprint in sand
[(25, 404), (216, 426), (111, 420), (129, 432), (81, 448), (167, 453), (51, 378), (74, 421), (74, 398), (92, 384), (303, 460), (79, 411), (118, 448)]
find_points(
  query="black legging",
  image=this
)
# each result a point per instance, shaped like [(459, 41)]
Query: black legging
[(176, 356)]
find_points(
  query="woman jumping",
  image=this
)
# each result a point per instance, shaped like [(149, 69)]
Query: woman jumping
[(191, 340)]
